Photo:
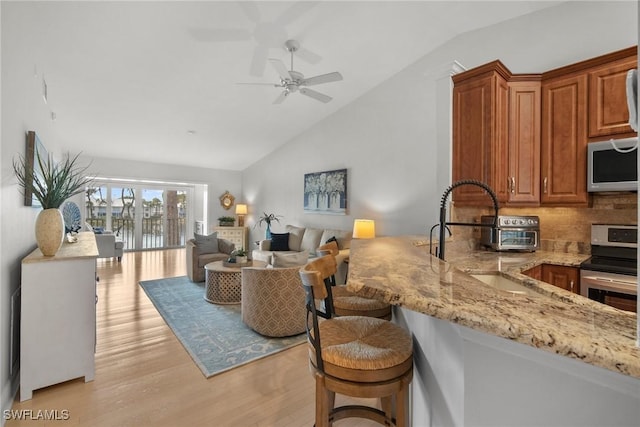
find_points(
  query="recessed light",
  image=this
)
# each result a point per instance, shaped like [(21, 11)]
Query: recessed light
[(191, 132)]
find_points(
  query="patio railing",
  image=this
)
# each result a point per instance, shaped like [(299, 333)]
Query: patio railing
[(153, 232)]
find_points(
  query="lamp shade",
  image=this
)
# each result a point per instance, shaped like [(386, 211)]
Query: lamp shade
[(241, 209), (364, 229)]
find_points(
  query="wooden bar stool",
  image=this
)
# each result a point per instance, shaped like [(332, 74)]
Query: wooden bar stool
[(346, 303), (355, 356)]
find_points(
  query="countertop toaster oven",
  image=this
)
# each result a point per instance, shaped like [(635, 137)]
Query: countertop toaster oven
[(512, 233)]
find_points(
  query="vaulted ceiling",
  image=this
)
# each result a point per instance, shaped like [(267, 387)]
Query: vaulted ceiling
[(157, 81)]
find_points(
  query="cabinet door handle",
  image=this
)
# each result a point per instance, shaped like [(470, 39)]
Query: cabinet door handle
[(571, 285), (513, 184), (544, 185)]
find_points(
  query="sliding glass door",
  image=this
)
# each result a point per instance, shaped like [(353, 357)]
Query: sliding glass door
[(122, 213), (145, 217)]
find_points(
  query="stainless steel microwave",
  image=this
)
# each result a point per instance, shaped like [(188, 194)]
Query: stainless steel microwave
[(612, 165)]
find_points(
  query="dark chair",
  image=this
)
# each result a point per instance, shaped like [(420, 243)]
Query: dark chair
[(345, 302), (357, 356)]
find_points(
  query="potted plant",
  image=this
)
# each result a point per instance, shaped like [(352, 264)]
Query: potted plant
[(268, 219), (240, 255), (54, 184), (226, 221)]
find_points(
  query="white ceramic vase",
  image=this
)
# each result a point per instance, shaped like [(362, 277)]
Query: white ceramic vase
[(49, 231), (241, 259)]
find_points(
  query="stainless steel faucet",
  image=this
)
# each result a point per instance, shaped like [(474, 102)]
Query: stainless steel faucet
[(444, 225)]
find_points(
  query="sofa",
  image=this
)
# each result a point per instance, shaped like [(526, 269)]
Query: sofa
[(202, 250), (273, 300), (298, 239)]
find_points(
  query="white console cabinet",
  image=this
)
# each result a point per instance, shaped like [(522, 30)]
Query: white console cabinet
[(236, 235), (58, 316)]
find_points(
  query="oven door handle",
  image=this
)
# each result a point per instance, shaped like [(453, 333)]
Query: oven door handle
[(606, 280)]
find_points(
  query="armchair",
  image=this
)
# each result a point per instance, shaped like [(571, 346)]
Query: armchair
[(109, 246), (197, 258), (273, 301)]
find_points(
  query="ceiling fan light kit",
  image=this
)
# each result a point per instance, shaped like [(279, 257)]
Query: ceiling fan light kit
[(294, 81)]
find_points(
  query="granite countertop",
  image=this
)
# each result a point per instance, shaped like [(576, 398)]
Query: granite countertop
[(400, 270)]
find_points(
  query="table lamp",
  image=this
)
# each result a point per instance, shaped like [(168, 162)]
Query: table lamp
[(364, 229), (241, 211)]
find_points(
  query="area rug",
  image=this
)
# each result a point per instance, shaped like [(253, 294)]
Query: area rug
[(214, 335)]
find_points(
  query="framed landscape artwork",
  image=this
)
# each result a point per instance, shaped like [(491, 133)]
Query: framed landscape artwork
[(326, 192)]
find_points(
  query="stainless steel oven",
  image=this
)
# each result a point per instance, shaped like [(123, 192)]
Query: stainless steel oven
[(513, 232), (610, 275)]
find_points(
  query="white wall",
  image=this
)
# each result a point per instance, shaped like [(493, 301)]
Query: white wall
[(23, 109), (389, 139)]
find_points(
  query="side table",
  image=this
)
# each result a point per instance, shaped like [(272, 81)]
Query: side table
[(223, 285)]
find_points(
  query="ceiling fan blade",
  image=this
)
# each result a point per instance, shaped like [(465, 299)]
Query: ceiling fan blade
[(259, 61), (323, 78), (315, 95), (280, 69), (283, 95), (308, 56), (219, 34), (294, 12), (251, 10), (258, 84)]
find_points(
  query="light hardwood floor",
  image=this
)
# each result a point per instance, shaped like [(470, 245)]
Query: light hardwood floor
[(144, 377)]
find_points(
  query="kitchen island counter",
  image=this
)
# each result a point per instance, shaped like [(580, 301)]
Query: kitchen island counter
[(399, 270)]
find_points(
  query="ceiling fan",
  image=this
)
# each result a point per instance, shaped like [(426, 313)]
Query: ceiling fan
[(266, 34), (294, 81)]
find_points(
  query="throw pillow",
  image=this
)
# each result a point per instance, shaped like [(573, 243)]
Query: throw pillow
[(289, 260), (295, 237), (279, 241), (207, 244), (311, 239)]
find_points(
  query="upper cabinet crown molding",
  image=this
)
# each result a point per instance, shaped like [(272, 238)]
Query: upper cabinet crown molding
[(590, 63), (492, 67)]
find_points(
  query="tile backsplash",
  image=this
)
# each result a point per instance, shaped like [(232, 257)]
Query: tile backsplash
[(563, 229)]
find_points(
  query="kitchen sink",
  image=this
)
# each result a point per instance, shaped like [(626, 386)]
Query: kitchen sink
[(500, 282)]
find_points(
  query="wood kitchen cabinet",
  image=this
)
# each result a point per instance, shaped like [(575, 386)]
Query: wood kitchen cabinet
[(558, 275), (581, 101), (526, 135), (480, 99), (496, 135), (608, 111), (524, 141), (562, 276), (534, 273), (564, 141)]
